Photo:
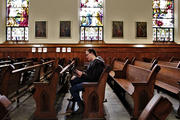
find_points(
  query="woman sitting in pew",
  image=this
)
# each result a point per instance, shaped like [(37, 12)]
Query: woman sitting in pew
[(92, 74)]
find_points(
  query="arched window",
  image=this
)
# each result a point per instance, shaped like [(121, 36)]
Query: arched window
[(17, 20), (91, 19), (163, 20)]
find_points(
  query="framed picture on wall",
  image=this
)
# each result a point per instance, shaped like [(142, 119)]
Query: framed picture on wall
[(65, 29), (40, 29), (117, 29), (141, 29)]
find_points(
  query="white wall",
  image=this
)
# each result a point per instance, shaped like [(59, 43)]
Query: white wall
[(53, 12), (2, 20), (177, 21), (128, 11)]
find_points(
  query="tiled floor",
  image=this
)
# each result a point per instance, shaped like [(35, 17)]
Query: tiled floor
[(113, 108)]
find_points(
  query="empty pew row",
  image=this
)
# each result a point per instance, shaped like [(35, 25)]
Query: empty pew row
[(172, 64), (142, 64), (18, 88), (168, 82), (138, 83), (167, 78)]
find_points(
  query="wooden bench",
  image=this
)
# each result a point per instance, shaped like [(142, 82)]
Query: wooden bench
[(174, 59), (138, 83), (145, 65), (171, 64), (93, 97), (45, 94), (5, 62), (158, 108), (118, 67), (167, 79), (12, 78)]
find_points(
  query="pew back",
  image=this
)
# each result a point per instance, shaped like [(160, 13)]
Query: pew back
[(137, 74), (171, 64), (169, 75)]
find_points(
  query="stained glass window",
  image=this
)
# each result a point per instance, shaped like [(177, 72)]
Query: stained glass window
[(91, 19), (17, 20), (163, 20)]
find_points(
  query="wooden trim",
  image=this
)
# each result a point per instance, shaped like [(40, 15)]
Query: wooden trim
[(91, 45)]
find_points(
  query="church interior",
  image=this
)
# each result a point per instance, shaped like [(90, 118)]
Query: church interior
[(44, 44)]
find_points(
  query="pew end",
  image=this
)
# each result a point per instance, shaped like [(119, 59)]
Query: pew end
[(93, 97), (158, 108)]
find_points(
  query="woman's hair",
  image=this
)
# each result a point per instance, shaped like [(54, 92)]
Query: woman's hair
[(90, 50)]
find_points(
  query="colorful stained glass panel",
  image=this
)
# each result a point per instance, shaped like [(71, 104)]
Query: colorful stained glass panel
[(163, 4), (91, 3), (163, 23), (91, 21), (26, 33), (91, 33), (82, 33), (162, 34), (163, 13), (17, 33), (17, 3), (100, 33), (17, 19), (91, 12), (17, 22)]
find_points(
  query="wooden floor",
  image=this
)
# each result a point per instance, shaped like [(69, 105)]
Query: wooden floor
[(113, 108)]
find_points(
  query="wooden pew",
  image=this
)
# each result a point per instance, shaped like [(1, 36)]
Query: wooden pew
[(138, 83), (145, 65), (12, 77), (167, 79), (158, 108), (12, 88), (149, 60), (174, 59), (45, 95), (171, 64), (119, 68), (5, 62), (93, 97)]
